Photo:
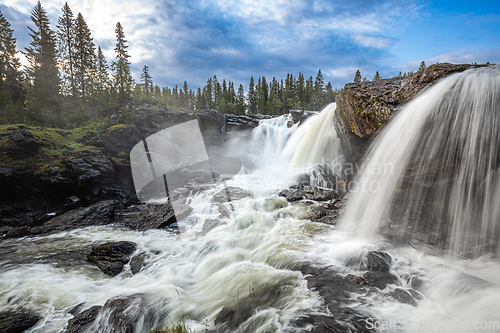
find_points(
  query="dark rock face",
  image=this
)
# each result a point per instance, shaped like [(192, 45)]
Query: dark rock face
[(121, 138), (111, 257), (89, 164), (96, 214), (17, 321), (82, 321), (363, 108), (22, 144), (155, 216), (243, 123)]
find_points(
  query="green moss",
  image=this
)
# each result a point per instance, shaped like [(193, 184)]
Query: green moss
[(55, 146), (121, 158), (118, 127)]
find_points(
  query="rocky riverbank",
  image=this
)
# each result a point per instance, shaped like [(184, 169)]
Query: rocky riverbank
[(45, 172)]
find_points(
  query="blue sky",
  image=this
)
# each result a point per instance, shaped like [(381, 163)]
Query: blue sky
[(194, 40)]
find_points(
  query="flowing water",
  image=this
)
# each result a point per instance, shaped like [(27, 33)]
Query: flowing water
[(252, 258)]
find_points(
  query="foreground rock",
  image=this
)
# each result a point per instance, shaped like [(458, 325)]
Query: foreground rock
[(122, 314), (154, 216), (363, 108), (230, 193), (82, 321), (17, 321), (299, 192), (100, 213), (112, 256)]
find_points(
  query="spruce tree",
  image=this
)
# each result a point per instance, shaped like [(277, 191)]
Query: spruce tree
[(422, 67), (377, 76), (319, 89), (102, 77), (11, 90), (66, 48), (357, 76), (43, 95), (121, 67), (252, 98), (85, 61), (147, 79), (241, 100), (264, 94)]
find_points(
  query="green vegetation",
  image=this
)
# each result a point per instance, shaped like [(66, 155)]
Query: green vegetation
[(357, 76)]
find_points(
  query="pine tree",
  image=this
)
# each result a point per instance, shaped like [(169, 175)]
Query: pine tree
[(301, 90), (43, 95), (264, 94), (252, 98), (102, 77), (422, 67), (11, 90), (241, 100), (357, 76), (85, 62), (319, 89), (121, 67), (377, 76), (147, 79), (330, 94), (66, 48)]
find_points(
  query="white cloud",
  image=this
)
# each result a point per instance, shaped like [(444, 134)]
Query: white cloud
[(378, 42)]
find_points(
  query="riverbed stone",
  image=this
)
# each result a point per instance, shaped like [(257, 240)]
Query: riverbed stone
[(378, 261), (18, 320), (231, 193), (82, 321), (112, 256)]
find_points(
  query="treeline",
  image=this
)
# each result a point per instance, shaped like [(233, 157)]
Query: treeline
[(275, 97), (68, 80)]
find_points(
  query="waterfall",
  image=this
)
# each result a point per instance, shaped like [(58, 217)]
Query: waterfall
[(320, 145), (443, 181)]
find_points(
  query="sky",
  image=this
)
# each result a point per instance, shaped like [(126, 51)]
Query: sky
[(193, 40)]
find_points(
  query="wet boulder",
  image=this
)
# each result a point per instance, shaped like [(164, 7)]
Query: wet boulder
[(292, 194), (230, 193), (403, 296), (97, 214), (379, 279), (112, 256), (81, 322), (18, 320), (378, 261), (123, 314), (154, 216)]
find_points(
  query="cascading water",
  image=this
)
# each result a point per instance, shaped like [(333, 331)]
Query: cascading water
[(320, 145), (248, 260), (441, 156)]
